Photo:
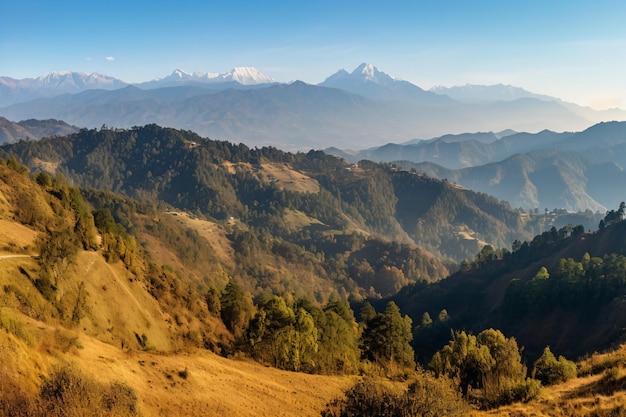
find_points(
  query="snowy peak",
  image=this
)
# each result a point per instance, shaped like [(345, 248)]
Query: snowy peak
[(54, 83), (370, 82), (246, 76), (363, 74), (369, 72), (69, 82), (181, 76)]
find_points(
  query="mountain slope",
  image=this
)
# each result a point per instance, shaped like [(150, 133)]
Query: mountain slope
[(98, 327), (32, 129), (552, 179), (572, 170), (507, 291), (370, 82), (222, 180)]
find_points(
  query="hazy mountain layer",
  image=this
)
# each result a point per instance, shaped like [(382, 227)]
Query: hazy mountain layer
[(575, 171), (32, 129), (294, 116)]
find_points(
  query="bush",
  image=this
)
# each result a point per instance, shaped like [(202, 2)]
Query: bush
[(16, 328), (521, 391), (550, 370), (67, 393), (426, 396), (119, 400)]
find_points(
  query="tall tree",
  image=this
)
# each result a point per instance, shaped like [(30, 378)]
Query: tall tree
[(236, 308), (387, 337)]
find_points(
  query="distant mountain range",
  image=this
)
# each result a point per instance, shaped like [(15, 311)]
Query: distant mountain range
[(575, 171), (53, 84), (11, 132), (357, 110), (368, 81), (246, 76)]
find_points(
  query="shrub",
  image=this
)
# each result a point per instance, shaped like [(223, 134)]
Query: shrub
[(550, 370), (67, 393), (427, 395), (16, 328), (119, 400)]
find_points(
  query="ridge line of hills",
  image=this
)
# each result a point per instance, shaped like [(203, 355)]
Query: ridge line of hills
[(363, 108)]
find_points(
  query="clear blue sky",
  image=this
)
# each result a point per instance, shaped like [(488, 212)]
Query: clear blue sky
[(575, 50)]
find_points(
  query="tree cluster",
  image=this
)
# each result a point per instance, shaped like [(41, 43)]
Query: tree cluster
[(487, 367)]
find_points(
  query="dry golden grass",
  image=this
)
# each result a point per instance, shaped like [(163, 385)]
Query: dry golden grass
[(583, 396), (282, 174), (195, 383), (289, 179), (212, 232), (174, 383), (49, 167), (296, 220), (15, 236), (118, 307)]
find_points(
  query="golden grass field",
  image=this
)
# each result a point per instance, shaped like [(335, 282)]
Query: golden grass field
[(193, 383)]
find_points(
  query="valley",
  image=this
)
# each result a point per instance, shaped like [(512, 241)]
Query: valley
[(173, 274)]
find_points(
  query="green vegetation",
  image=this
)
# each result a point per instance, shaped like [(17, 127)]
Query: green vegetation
[(550, 370), (387, 337), (490, 364)]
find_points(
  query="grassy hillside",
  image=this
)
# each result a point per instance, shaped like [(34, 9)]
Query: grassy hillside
[(95, 320)]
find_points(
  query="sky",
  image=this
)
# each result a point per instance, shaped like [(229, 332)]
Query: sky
[(574, 50)]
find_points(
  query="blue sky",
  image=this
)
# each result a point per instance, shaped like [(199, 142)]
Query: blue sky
[(573, 49)]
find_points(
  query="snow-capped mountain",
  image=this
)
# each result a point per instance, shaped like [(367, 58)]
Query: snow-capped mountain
[(246, 76), (364, 73), (52, 84), (181, 76), (241, 75), (58, 82), (368, 81)]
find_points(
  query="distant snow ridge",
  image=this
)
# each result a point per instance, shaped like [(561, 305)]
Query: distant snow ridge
[(65, 82), (242, 75), (246, 76), (181, 75)]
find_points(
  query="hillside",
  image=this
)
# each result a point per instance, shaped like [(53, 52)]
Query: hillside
[(32, 129), (260, 187), (574, 304), (97, 315), (576, 171)]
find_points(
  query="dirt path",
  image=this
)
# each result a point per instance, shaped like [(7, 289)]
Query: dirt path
[(16, 256)]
